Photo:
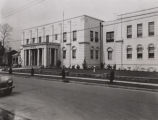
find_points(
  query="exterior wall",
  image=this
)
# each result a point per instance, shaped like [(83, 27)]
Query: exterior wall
[(82, 45), (92, 25), (120, 29)]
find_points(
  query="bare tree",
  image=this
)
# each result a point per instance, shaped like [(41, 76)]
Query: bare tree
[(5, 31)]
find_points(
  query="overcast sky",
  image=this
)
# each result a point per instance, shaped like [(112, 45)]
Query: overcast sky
[(21, 14)]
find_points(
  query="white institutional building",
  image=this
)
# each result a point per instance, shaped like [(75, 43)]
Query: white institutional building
[(129, 42), (71, 41)]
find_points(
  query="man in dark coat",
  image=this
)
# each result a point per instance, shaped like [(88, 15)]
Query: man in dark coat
[(112, 75)]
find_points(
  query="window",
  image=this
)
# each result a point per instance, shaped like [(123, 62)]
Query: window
[(47, 38), (139, 30), (74, 53), (39, 39), (74, 35), (33, 40), (91, 52), (96, 54), (110, 36), (64, 54), (64, 37), (109, 50), (151, 51), (56, 36), (27, 41), (139, 52), (129, 31), (91, 35), (151, 28), (129, 52), (96, 37)]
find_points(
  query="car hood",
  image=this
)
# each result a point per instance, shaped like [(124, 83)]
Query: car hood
[(4, 78)]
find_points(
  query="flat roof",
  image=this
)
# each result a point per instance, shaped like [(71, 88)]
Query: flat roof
[(62, 21)]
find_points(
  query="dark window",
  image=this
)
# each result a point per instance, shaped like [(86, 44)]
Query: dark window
[(129, 31), (96, 37), (47, 38), (151, 51), (39, 39), (74, 53), (97, 54), (91, 54), (91, 35), (64, 54), (56, 36), (139, 52), (129, 52), (110, 36), (33, 40), (151, 28), (27, 41), (139, 30), (109, 50), (74, 35), (64, 37)]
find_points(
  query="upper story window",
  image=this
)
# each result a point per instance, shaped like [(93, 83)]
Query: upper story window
[(151, 28), (74, 35), (110, 36), (129, 52), (47, 38), (110, 50), (91, 35), (151, 51), (139, 30), (96, 37), (27, 41), (64, 36), (129, 31), (33, 40), (56, 36), (139, 52), (40, 39)]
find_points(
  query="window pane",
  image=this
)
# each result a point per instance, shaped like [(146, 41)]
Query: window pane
[(110, 36), (91, 54), (139, 30), (109, 55), (129, 31), (64, 37), (91, 35), (151, 28)]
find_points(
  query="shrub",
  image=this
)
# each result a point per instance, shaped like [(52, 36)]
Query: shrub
[(78, 67)]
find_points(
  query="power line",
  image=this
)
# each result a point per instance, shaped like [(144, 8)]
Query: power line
[(26, 6)]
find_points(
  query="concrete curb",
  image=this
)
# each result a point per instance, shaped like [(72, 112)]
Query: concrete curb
[(117, 83)]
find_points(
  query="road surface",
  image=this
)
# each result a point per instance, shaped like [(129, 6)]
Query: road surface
[(47, 99)]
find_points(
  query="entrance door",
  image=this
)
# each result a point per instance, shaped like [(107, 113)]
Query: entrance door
[(52, 56)]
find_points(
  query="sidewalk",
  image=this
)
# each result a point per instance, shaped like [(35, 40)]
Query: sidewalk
[(117, 83)]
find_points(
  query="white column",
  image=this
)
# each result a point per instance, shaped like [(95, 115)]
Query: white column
[(45, 56)]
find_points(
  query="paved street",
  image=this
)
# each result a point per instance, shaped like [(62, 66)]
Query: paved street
[(43, 99)]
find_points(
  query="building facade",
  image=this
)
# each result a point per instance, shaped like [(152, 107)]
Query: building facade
[(70, 41), (131, 41)]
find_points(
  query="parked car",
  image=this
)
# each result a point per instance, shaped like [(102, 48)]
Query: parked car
[(6, 85)]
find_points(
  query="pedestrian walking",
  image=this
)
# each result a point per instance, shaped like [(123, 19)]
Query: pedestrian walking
[(64, 75), (32, 71), (112, 75), (10, 70)]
